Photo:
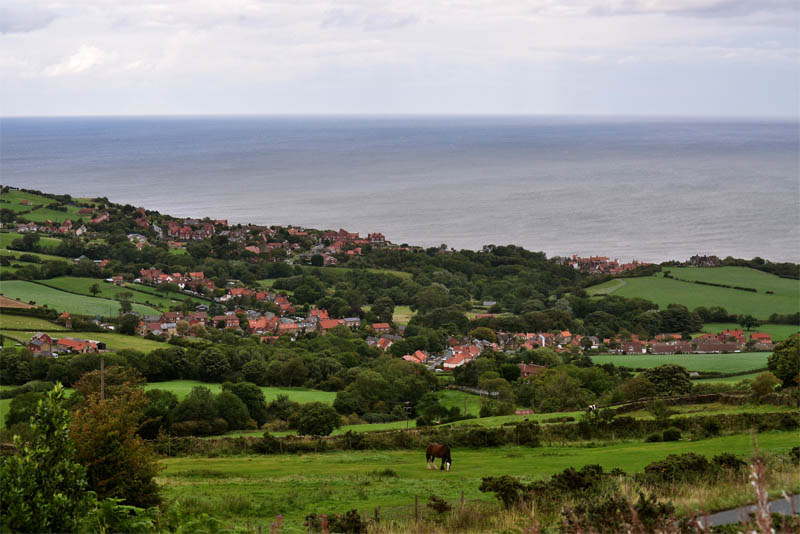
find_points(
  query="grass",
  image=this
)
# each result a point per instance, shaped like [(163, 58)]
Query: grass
[(606, 288), (723, 363), (727, 379), (716, 408), (22, 322), (665, 291), (779, 332), (142, 294), (254, 489), (402, 315), (46, 242), (13, 201), (181, 389), (113, 341), (67, 302)]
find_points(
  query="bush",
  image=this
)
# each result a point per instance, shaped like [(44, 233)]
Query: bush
[(678, 468), (672, 434), (654, 437)]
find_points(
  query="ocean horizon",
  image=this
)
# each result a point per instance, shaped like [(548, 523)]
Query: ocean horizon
[(650, 188)]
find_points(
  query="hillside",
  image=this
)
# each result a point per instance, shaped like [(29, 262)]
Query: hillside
[(783, 299)]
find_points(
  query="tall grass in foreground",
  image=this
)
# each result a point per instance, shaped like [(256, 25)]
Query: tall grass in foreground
[(691, 504)]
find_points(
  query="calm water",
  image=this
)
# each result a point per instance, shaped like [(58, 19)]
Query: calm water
[(651, 189)]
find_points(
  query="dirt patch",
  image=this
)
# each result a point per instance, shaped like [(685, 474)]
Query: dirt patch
[(6, 302)]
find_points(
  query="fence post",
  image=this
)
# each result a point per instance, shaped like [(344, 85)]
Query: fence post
[(416, 509), (377, 514), (462, 500)]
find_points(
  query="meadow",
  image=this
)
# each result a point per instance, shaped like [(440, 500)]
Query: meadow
[(141, 293), (12, 200), (113, 341), (67, 302), (723, 363), (21, 322), (45, 242), (665, 291), (244, 490), (181, 389)]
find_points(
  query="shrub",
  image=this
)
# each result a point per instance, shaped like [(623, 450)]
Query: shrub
[(507, 489), (672, 434), (678, 468), (654, 437), (438, 505)]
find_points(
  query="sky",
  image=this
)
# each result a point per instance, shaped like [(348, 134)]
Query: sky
[(733, 58)]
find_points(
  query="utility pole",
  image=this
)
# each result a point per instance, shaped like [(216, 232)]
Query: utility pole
[(407, 410)]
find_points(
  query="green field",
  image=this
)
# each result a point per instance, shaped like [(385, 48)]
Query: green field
[(254, 489), (142, 294), (181, 388), (13, 201), (46, 242), (665, 291), (402, 315), (113, 341), (66, 302), (723, 363), (779, 332), (8, 321), (727, 379)]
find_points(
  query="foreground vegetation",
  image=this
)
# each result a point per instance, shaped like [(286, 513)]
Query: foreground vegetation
[(252, 489)]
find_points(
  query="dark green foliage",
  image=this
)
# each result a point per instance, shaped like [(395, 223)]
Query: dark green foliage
[(653, 438), (729, 461), (507, 489), (347, 523), (43, 488), (672, 434), (252, 397), (233, 410), (678, 468), (669, 379), (784, 362), (438, 505), (156, 414), (614, 513), (316, 419), (22, 407), (14, 366)]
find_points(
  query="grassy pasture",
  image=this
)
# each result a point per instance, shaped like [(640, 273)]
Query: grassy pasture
[(779, 332), (45, 242), (254, 489), (402, 315), (665, 291), (13, 200), (181, 389), (723, 363), (113, 341), (62, 301), (142, 294), (8, 321)]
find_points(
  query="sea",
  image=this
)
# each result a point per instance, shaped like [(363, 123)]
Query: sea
[(651, 189)]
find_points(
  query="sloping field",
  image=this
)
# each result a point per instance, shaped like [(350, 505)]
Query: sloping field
[(140, 293), (664, 291), (723, 363), (66, 302)]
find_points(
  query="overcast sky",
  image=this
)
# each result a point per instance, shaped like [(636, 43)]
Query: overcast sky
[(640, 57)]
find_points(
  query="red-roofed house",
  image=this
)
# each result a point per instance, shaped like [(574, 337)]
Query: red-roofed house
[(382, 327), (529, 369), (384, 343), (228, 321)]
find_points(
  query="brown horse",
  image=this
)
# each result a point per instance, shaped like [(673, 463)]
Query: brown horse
[(436, 450)]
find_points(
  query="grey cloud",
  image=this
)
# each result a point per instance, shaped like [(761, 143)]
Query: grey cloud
[(370, 21), (23, 19)]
